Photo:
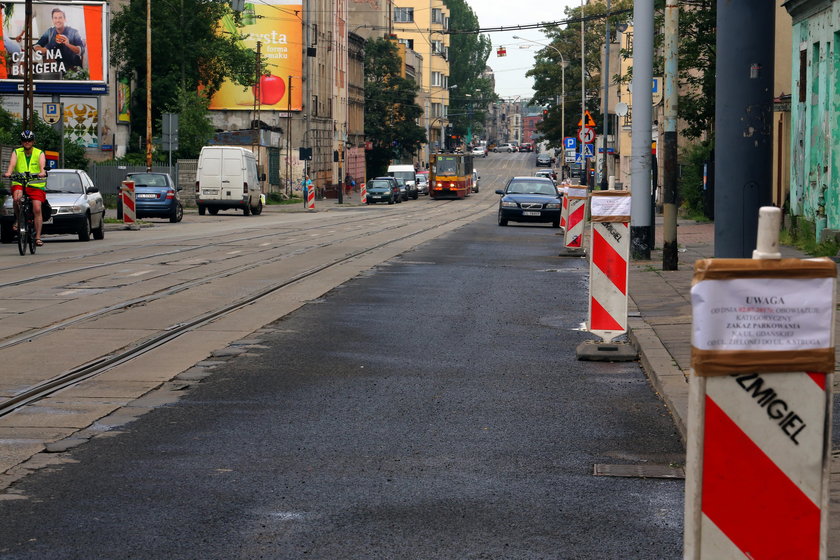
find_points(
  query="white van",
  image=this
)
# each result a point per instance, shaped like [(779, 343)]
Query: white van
[(407, 174), (227, 178)]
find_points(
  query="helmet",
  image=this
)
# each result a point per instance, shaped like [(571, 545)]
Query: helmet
[(27, 135)]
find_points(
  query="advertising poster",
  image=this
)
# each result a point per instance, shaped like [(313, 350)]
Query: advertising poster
[(277, 24), (123, 97), (68, 41), (81, 117)]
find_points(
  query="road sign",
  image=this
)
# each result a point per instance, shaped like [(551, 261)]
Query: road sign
[(52, 112), (570, 143), (587, 135), (590, 122), (587, 150)]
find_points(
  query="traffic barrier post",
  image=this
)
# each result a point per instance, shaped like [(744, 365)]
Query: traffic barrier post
[(363, 193), (573, 237), (609, 266), (310, 198), (759, 417), (128, 200), (564, 210)]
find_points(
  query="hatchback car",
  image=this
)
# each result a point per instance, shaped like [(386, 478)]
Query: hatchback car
[(383, 189), (479, 151), (547, 173), (422, 182), (77, 207), (504, 148), (544, 159), (530, 199), (156, 196)]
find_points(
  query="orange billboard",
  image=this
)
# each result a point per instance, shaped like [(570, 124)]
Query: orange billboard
[(278, 26)]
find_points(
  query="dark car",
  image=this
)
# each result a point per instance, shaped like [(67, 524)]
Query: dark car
[(155, 195), (77, 207), (530, 199), (526, 147), (544, 159), (383, 189)]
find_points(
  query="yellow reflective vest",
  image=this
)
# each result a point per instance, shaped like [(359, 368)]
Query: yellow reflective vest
[(34, 167)]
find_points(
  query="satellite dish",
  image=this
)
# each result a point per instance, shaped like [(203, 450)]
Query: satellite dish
[(621, 109)]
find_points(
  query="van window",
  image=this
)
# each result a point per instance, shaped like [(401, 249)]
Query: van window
[(404, 175)]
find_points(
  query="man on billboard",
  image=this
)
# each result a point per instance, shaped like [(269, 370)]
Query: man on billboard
[(62, 43)]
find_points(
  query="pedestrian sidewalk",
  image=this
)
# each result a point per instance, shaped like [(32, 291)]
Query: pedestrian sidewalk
[(660, 327)]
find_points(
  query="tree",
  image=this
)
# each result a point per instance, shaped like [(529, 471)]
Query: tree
[(47, 138), (471, 91), (194, 128), (391, 112), (188, 51)]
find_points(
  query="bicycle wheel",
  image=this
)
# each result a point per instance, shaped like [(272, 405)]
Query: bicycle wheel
[(22, 233), (30, 233)]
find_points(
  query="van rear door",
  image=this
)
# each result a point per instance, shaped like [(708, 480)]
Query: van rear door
[(210, 174), (233, 173)]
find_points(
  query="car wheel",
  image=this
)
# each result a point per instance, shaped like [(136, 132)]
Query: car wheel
[(99, 233), (502, 221), (177, 213), (213, 211), (416, 195), (84, 230), (201, 210), (391, 200), (246, 210), (258, 210)]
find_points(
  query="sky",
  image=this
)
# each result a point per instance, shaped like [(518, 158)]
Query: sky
[(510, 69)]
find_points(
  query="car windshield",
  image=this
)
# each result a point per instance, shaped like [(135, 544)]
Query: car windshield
[(148, 180), (531, 187), (379, 185), (64, 183)]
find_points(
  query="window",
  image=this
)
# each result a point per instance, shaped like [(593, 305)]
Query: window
[(409, 43), (437, 79), (437, 15), (803, 75), (436, 110), (404, 15), (437, 47)]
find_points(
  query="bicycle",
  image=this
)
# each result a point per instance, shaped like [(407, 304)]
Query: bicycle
[(25, 217)]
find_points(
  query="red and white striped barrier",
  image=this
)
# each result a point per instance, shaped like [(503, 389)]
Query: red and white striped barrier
[(564, 211), (573, 239), (310, 197), (609, 263), (759, 436), (363, 193), (129, 212)]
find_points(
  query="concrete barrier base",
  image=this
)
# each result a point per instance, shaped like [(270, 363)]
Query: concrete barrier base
[(598, 351), (566, 252)]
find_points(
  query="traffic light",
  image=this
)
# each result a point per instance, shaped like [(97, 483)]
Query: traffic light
[(545, 113)]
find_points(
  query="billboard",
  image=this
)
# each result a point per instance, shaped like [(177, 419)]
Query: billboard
[(81, 116), (70, 43), (278, 25)]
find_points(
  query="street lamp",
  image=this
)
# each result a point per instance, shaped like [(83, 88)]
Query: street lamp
[(563, 65)]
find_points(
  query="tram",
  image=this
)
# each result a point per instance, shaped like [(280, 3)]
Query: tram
[(450, 175)]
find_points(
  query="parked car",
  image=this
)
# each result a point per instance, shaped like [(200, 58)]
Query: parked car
[(383, 189), (479, 151), (156, 196), (403, 188), (526, 147), (544, 159), (77, 207), (529, 199), (504, 148), (422, 182)]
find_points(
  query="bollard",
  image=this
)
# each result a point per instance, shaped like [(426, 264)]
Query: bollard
[(363, 193), (127, 195), (609, 266), (564, 211), (573, 238), (310, 198), (759, 418)]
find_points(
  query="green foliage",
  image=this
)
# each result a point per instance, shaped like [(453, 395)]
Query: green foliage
[(802, 235), (188, 52), (468, 54), (194, 128), (46, 137), (690, 182), (391, 112)]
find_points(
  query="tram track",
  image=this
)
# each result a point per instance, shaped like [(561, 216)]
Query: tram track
[(93, 368)]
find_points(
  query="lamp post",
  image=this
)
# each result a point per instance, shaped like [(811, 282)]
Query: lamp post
[(563, 65)]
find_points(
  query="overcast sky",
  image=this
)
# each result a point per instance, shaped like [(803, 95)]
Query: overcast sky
[(510, 70)]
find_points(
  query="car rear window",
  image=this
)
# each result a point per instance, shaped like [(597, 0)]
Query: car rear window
[(148, 179)]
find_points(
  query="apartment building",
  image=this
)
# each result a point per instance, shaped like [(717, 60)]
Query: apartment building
[(420, 25)]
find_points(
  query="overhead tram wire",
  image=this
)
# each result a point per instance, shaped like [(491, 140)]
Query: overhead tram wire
[(592, 17)]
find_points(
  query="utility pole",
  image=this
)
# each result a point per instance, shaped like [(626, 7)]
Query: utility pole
[(743, 117), (670, 255), (641, 226), (28, 85), (604, 180), (148, 85), (584, 168)]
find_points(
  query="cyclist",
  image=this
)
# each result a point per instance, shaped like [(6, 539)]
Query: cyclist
[(31, 159)]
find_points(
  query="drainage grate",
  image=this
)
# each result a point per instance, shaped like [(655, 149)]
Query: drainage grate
[(639, 471)]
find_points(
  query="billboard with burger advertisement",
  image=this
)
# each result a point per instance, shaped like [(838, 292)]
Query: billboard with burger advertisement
[(69, 44), (278, 25)]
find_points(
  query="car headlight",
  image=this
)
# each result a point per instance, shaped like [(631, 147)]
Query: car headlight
[(552, 205), (76, 209), (508, 204)]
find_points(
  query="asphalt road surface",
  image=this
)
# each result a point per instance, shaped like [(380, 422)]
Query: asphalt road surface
[(429, 408)]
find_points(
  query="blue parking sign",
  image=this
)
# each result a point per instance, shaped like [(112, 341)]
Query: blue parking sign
[(570, 143)]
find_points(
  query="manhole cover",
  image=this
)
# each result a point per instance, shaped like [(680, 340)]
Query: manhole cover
[(639, 471)]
